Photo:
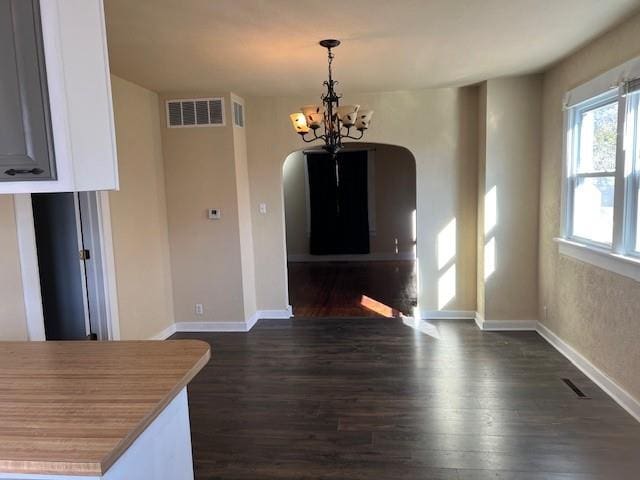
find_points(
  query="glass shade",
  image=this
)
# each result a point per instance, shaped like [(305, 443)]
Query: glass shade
[(364, 119), (347, 114), (315, 120), (308, 110), (299, 123)]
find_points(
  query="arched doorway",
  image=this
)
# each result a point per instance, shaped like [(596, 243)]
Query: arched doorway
[(350, 231)]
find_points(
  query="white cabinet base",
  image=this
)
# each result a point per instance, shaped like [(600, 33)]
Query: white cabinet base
[(161, 452)]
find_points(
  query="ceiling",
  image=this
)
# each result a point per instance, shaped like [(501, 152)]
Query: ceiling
[(269, 47)]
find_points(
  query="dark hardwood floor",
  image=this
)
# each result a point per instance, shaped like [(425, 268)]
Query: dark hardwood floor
[(377, 399), (335, 289)]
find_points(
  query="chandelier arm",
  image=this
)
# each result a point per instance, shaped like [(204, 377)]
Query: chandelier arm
[(308, 140), (355, 138), (319, 137)]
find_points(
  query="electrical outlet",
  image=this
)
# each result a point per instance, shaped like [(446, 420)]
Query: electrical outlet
[(214, 213), (263, 208), (199, 309)]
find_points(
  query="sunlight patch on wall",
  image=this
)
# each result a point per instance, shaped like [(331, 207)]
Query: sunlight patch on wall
[(490, 210), (447, 287), (489, 258), (447, 244)]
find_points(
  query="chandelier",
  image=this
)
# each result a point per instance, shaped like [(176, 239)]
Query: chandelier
[(336, 121)]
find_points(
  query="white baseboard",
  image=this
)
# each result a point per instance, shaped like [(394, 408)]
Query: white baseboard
[(224, 326), (447, 315), (251, 321), (505, 325), (615, 391), (212, 327), (164, 334), (275, 314), (369, 257)]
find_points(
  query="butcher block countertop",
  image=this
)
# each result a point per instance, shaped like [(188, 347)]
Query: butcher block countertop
[(72, 408)]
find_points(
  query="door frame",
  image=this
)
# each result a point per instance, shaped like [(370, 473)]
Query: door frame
[(31, 274)]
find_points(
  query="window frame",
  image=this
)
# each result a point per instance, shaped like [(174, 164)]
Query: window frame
[(632, 174), (621, 256), (573, 132)]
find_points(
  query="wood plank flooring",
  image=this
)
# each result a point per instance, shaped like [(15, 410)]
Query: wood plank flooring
[(335, 289), (377, 399)]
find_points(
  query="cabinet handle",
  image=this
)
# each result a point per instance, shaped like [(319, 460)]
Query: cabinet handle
[(13, 172)]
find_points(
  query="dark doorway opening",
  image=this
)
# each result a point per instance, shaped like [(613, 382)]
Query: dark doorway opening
[(70, 265), (338, 203), (350, 226)]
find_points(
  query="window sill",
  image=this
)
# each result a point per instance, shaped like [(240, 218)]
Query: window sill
[(614, 262)]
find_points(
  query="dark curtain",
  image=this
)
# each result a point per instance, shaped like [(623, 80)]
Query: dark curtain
[(338, 203), (323, 194)]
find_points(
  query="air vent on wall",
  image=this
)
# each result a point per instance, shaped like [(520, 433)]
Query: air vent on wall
[(238, 114), (195, 112)]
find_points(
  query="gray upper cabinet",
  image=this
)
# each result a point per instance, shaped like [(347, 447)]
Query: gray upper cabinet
[(26, 144)]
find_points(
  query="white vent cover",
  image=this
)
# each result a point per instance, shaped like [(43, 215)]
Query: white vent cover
[(195, 112), (238, 114)]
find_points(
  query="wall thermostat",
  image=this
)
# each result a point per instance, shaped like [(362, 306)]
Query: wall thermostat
[(214, 213)]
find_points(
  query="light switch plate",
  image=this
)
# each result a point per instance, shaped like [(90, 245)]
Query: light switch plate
[(214, 213), (263, 208)]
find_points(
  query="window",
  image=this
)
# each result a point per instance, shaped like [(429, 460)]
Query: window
[(633, 142), (594, 171), (601, 201)]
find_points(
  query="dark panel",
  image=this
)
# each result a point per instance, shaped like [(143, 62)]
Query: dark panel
[(323, 205), (338, 203), (26, 146), (353, 203), (61, 280)]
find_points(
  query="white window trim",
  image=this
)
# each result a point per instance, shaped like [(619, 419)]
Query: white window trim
[(599, 257), (616, 258)]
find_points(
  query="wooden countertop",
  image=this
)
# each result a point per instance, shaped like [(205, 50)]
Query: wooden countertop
[(72, 408)]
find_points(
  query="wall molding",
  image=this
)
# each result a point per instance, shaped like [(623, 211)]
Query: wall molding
[(29, 269), (213, 326), (614, 262), (275, 314), (203, 326), (369, 257), (505, 325), (597, 376), (165, 333)]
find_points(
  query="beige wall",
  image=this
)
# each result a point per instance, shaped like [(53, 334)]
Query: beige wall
[(244, 217), (439, 127), (206, 255), (295, 204), (481, 191), (597, 312), (139, 215), (13, 324), (508, 192), (393, 196)]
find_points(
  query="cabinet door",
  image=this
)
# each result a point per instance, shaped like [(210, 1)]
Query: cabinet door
[(26, 146)]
